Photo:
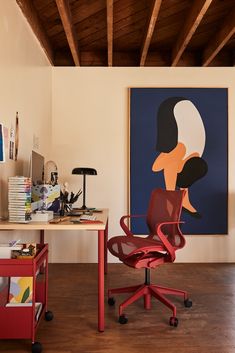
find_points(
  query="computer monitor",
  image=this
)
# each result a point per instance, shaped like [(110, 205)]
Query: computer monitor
[(37, 168)]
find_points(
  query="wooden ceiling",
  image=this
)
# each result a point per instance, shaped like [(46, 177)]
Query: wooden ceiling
[(134, 32)]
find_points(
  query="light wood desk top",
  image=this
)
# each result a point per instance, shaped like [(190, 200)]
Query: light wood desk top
[(64, 225)]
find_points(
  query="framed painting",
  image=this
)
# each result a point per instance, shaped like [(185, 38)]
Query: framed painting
[(179, 140)]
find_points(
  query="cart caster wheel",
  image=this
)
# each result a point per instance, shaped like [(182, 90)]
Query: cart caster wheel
[(173, 321), (36, 347), (188, 303), (111, 301), (48, 315), (122, 319)]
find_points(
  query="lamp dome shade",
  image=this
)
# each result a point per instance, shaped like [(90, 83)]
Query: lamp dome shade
[(84, 171)]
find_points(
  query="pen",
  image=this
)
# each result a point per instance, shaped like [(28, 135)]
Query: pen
[(58, 220), (86, 222)]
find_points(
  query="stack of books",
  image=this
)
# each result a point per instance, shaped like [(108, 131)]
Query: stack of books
[(19, 199)]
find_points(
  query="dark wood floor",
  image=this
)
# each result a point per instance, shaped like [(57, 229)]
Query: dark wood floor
[(209, 326)]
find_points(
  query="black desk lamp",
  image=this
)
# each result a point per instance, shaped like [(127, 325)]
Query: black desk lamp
[(84, 172)]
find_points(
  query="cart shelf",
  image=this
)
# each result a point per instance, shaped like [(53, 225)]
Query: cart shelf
[(21, 322)]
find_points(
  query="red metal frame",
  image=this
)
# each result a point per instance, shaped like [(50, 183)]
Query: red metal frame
[(20, 322), (102, 269), (148, 291)]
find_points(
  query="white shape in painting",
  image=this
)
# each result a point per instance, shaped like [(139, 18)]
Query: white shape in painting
[(191, 131)]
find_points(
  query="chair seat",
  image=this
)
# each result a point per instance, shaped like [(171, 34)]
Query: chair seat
[(137, 251), (150, 260)]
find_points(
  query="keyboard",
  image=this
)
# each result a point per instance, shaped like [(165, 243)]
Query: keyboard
[(86, 217)]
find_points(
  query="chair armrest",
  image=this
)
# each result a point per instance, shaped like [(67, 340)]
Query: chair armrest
[(164, 239), (123, 225)]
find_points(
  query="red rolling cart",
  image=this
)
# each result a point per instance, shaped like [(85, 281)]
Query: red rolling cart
[(22, 322)]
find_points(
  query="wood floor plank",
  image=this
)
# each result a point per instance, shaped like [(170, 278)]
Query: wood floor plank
[(209, 326)]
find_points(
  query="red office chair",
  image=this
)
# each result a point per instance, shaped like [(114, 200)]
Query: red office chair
[(149, 252)]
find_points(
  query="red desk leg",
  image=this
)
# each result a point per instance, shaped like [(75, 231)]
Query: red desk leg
[(101, 237), (42, 236), (42, 243), (105, 249)]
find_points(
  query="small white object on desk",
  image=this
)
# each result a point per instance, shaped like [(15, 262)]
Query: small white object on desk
[(42, 216)]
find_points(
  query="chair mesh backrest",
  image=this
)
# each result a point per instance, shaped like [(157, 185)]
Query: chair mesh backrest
[(165, 206)]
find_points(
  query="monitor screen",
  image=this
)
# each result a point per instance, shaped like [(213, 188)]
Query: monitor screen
[(37, 168)]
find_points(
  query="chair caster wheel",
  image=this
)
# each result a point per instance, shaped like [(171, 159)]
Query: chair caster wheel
[(188, 303), (111, 301), (36, 347), (173, 321), (48, 315), (122, 319)]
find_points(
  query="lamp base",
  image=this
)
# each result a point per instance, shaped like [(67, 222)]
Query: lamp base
[(84, 209)]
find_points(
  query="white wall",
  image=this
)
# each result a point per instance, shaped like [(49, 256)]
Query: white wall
[(90, 128), (25, 87)]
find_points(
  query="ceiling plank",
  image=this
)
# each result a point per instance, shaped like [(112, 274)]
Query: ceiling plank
[(33, 19), (197, 11), (150, 28), (110, 31), (219, 39), (66, 18)]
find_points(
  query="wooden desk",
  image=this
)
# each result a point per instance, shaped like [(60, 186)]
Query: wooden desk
[(101, 228)]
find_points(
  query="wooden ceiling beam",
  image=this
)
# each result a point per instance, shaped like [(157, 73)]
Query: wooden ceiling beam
[(34, 21), (149, 31), (195, 16), (66, 18), (219, 39), (110, 31)]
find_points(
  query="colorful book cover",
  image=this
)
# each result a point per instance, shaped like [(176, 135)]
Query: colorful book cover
[(2, 147), (21, 289)]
